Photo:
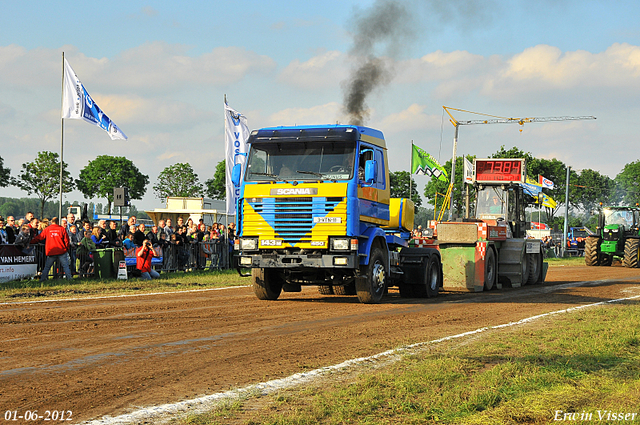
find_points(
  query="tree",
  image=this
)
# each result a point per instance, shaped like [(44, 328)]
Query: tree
[(399, 185), (42, 177), (178, 180), (217, 186), (628, 183), (594, 188), (436, 186), (105, 173), (5, 175)]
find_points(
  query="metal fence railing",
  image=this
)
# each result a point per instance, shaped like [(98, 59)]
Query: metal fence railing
[(209, 255)]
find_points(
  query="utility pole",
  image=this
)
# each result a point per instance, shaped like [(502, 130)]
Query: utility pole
[(566, 214)]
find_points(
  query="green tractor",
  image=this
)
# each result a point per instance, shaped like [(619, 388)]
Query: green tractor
[(617, 234)]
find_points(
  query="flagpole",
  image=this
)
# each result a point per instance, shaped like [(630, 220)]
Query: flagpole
[(61, 142), (410, 169), (226, 195)]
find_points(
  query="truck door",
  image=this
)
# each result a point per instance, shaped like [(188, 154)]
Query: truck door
[(373, 207)]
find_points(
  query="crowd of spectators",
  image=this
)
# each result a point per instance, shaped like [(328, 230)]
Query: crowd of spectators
[(74, 246)]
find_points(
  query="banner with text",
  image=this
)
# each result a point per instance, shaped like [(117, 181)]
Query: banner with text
[(236, 134), (424, 164), (78, 104), (15, 265)]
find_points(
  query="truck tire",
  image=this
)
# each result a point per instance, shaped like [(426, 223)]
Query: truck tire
[(592, 252), (370, 288), (432, 280), (524, 270), (267, 285), (325, 289), (490, 269), (631, 250), (535, 268)]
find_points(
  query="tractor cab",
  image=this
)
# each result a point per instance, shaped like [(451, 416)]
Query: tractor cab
[(617, 235), (506, 203)]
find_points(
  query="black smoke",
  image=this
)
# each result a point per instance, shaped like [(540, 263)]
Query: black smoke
[(379, 36)]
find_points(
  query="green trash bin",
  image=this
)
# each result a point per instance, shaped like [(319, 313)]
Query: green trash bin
[(103, 262)]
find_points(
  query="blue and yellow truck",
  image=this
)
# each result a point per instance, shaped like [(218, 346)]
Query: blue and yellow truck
[(315, 209)]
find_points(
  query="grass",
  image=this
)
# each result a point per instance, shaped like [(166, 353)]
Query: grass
[(583, 363), (568, 261), (60, 288)]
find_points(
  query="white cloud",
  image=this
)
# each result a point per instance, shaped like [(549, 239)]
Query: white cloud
[(328, 113), (156, 66), (412, 118), (322, 71)]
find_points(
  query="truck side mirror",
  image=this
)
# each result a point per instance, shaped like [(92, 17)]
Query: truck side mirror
[(235, 174), (370, 171)]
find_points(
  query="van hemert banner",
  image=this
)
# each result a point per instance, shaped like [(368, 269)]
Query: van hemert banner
[(15, 265)]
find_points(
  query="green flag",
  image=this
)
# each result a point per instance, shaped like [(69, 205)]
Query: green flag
[(423, 163)]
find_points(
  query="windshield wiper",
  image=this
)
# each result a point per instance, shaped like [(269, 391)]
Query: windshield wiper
[(313, 173), (273, 176)]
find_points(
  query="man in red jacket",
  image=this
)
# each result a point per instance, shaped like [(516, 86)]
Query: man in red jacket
[(56, 246), (143, 263)]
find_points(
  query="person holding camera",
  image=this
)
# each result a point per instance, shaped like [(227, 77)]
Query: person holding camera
[(143, 262)]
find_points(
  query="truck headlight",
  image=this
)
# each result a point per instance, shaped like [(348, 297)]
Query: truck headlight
[(245, 261), (342, 244), (248, 244)]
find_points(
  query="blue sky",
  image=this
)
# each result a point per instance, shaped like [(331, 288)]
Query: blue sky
[(160, 71)]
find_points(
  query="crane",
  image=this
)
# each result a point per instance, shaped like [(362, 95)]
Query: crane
[(494, 120)]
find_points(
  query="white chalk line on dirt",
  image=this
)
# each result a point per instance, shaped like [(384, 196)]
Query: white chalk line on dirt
[(203, 404), (102, 297)]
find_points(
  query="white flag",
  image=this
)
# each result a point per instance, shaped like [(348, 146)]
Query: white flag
[(235, 140), (77, 104), (468, 171)]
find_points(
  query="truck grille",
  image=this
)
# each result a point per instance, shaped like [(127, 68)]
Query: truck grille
[(292, 218)]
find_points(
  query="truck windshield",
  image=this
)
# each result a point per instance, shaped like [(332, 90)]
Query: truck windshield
[(492, 203), (623, 217), (300, 161)]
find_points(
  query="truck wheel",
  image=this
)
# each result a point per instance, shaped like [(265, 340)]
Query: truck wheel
[(489, 269), (371, 288), (535, 268), (592, 251), (631, 250), (524, 263), (267, 285), (432, 279), (325, 289)]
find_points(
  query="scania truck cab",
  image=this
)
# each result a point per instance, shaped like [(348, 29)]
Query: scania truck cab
[(315, 209)]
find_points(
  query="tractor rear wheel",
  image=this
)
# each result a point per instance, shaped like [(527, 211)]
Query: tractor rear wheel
[(592, 252), (631, 252)]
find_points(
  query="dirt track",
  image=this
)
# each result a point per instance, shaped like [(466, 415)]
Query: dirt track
[(107, 356)]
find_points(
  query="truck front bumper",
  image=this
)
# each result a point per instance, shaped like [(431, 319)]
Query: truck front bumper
[(347, 260)]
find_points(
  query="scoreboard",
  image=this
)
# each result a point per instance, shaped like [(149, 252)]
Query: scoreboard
[(499, 170)]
